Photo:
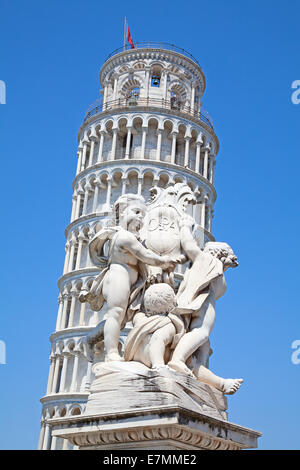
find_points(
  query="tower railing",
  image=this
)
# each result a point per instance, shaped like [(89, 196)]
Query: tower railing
[(153, 45), (132, 102)]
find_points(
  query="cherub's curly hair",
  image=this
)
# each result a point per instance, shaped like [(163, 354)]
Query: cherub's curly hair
[(122, 202), (220, 250), (159, 298)]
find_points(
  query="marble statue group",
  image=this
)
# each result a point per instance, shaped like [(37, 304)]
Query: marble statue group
[(172, 314)]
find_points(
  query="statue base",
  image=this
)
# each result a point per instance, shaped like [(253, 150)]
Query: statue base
[(133, 407)]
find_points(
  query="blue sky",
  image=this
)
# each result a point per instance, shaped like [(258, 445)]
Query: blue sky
[(51, 53)]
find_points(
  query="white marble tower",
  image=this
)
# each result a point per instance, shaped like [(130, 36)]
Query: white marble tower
[(148, 128)]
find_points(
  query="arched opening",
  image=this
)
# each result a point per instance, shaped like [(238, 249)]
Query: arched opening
[(107, 146), (163, 180), (136, 138), (156, 76), (166, 148), (76, 411), (81, 203), (147, 184), (133, 96), (133, 181), (180, 145), (121, 139), (151, 142), (116, 186), (177, 96), (131, 91)]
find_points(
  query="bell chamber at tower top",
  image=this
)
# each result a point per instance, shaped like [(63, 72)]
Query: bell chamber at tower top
[(152, 74), (150, 109)]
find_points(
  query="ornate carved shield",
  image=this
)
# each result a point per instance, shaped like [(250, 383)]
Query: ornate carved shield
[(161, 229)]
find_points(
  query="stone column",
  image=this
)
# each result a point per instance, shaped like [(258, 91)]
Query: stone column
[(100, 151), (64, 312), (108, 193), (72, 309), (147, 80), (42, 434), (114, 144), (209, 215), (124, 183), (75, 371), (78, 202), (158, 148), (165, 87), (66, 444), (115, 93), (60, 309), (213, 171), (85, 142), (202, 219), (79, 161), (51, 374), (96, 196), (64, 373), (86, 198), (193, 98), (56, 372), (187, 151), (73, 242), (140, 185), (93, 138), (144, 134), (128, 140), (74, 199), (105, 96), (47, 437), (205, 164), (198, 154), (173, 151), (211, 168), (198, 212), (53, 443), (67, 256), (82, 313)]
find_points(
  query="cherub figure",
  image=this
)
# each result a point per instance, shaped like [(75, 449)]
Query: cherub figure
[(115, 291), (203, 284), (156, 329)]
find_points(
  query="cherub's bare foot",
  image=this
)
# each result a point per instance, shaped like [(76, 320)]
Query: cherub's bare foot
[(181, 367), (230, 386), (113, 356)]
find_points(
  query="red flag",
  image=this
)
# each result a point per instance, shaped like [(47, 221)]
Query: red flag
[(129, 38)]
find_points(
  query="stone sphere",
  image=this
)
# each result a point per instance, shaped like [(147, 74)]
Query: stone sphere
[(159, 298)]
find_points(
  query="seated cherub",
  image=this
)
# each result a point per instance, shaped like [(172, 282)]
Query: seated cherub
[(156, 330), (203, 284), (124, 277)]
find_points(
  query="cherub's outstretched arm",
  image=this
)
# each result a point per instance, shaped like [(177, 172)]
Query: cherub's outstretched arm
[(188, 242), (131, 244)]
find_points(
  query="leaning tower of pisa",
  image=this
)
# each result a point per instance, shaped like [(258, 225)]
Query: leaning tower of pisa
[(147, 129)]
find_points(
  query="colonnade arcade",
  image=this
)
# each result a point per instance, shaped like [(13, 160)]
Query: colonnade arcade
[(96, 190), (148, 137)]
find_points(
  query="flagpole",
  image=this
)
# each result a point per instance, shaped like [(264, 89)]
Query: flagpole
[(124, 42)]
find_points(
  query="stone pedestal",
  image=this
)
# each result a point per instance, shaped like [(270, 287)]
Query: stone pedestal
[(133, 407)]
